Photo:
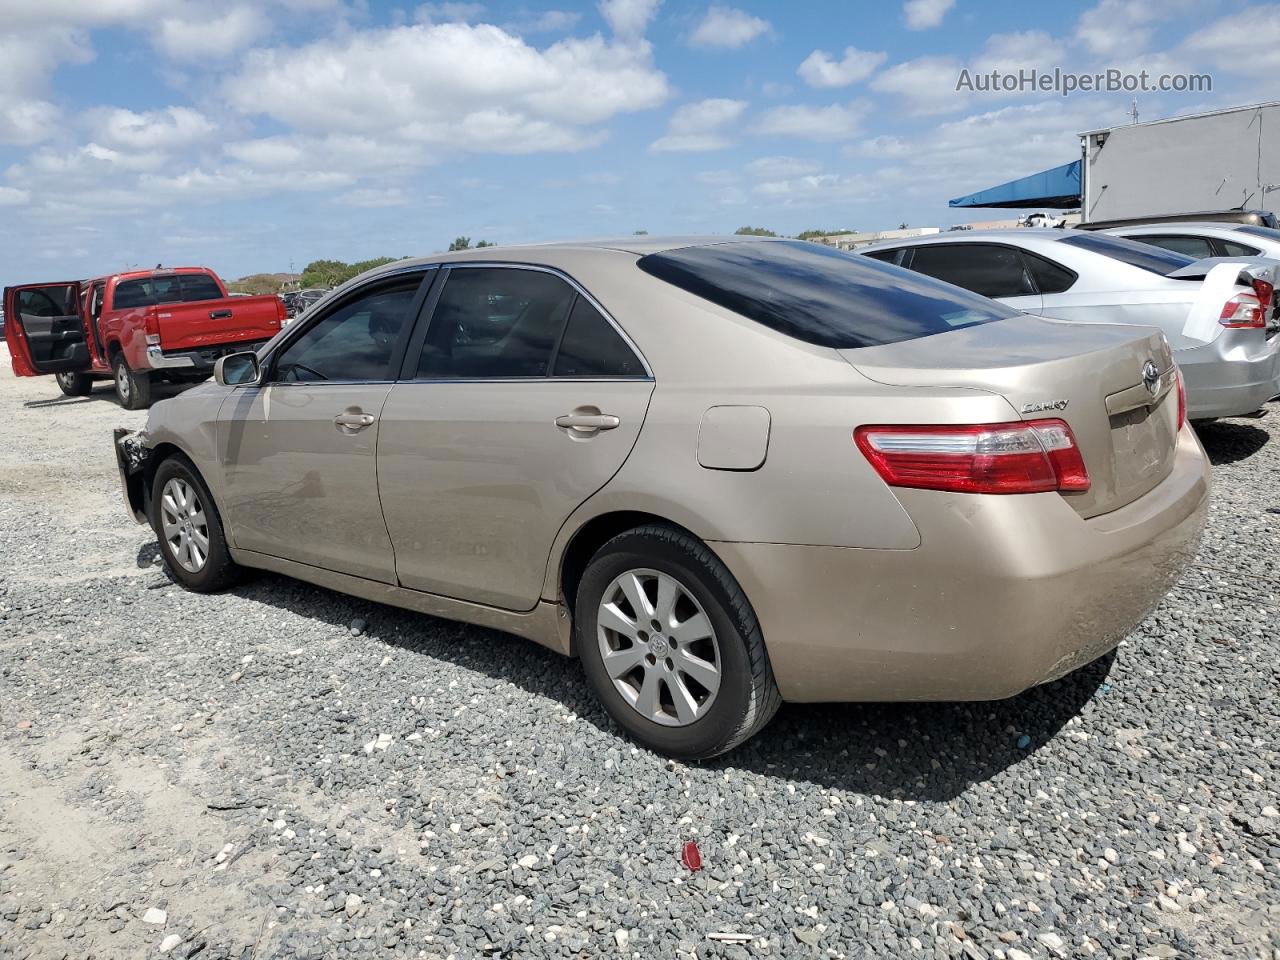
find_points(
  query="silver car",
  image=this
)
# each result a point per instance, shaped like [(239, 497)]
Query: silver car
[(1206, 239), (722, 472), (1218, 313)]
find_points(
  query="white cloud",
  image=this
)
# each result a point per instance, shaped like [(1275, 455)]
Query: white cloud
[(201, 34), (28, 58), (170, 128), (818, 190), (1122, 27), (452, 86), (13, 197), (629, 19), (778, 168), (929, 83), (1220, 41), (834, 122), (81, 13), (369, 197), (700, 126), (819, 69), (728, 28), (548, 21), (924, 14)]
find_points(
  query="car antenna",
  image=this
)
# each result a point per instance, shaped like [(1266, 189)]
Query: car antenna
[(1244, 201)]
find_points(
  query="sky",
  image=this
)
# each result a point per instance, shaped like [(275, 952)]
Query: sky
[(258, 135)]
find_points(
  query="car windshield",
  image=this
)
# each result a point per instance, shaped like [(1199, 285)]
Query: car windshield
[(1267, 233), (1144, 256), (821, 295)]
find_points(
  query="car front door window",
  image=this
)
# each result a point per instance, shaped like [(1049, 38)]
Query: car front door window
[(352, 343)]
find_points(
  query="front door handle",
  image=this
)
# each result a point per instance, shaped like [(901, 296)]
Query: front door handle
[(587, 422), (219, 314), (354, 421)]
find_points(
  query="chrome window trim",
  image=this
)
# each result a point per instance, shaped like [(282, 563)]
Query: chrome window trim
[(581, 291)]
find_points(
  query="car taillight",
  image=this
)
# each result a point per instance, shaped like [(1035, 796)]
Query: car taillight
[(1264, 290), (281, 313), (1182, 398), (1028, 457), (1244, 310), (151, 322)]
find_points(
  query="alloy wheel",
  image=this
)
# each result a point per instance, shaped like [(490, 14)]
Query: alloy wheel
[(186, 529), (122, 382), (659, 648)]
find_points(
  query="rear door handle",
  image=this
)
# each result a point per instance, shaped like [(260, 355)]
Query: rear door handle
[(588, 422), (219, 314), (354, 421)]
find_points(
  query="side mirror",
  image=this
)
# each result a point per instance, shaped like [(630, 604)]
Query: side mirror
[(237, 369)]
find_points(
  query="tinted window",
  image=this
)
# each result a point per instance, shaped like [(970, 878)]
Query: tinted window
[(1141, 255), (1267, 233), (1232, 249), (591, 347), (1049, 276), (495, 322), (981, 267), (886, 256), (821, 295), (51, 301), (1195, 247), (353, 342), (170, 288), (199, 286)]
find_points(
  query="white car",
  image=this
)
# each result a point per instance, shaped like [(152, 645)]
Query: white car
[(1206, 239), (1218, 314)]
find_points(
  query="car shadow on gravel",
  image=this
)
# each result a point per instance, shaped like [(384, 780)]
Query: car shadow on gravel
[(914, 751), (1230, 441), (107, 392)]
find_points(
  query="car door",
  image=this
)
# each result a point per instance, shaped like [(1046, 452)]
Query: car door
[(519, 399), (46, 328), (299, 449), (990, 269)]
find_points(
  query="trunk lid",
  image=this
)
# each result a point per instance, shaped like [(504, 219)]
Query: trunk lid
[(190, 326), (1221, 279), (1089, 375)]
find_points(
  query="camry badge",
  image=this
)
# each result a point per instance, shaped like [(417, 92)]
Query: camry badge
[(1044, 405), (1151, 377)]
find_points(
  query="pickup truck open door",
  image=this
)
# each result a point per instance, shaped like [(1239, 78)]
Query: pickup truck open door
[(45, 328)]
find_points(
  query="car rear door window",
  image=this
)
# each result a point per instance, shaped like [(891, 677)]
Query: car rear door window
[(1195, 247), (821, 295), (353, 342), (1232, 249), (985, 268), (887, 256), (495, 323), (591, 347), (1050, 277)]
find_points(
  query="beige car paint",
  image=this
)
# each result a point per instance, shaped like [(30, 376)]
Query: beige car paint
[(863, 591)]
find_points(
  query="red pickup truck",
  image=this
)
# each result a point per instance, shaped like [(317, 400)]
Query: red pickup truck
[(172, 323)]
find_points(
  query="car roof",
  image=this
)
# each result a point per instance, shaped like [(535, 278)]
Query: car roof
[(634, 245), (135, 274), (1176, 225)]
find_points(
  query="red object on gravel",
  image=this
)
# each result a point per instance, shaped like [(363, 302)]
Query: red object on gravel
[(690, 856)]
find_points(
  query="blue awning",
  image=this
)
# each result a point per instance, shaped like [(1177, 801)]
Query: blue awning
[(1059, 187)]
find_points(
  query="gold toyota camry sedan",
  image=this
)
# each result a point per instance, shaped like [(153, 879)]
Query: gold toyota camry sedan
[(721, 472)]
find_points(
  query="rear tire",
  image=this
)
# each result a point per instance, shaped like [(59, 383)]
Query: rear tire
[(133, 389), (74, 384), (718, 709), (189, 528)]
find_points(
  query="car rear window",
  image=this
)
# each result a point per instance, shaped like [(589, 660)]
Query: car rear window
[(821, 295), (1267, 233), (1144, 256), (170, 288)]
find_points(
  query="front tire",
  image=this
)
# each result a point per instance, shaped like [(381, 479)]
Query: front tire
[(186, 522), (671, 646), (133, 388), (74, 384)]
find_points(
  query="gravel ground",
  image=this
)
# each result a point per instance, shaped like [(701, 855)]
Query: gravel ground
[(241, 776)]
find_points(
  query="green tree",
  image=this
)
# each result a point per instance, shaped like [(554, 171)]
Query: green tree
[(325, 273), (640, 233), (461, 243), (485, 243), (754, 232), (814, 234)]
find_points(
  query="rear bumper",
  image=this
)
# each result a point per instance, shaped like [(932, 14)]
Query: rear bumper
[(201, 359), (131, 462), (1002, 594), (1231, 376)]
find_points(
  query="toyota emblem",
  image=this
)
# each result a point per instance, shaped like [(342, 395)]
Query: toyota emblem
[(1151, 377)]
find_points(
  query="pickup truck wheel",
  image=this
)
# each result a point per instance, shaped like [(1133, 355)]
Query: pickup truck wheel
[(74, 384), (133, 389), (189, 528)]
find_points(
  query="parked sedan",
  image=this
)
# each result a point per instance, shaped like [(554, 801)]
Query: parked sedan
[(1218, 313), (1200, 240), (724, 473)]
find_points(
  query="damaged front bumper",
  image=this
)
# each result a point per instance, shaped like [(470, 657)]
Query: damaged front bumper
[(132, 455)]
